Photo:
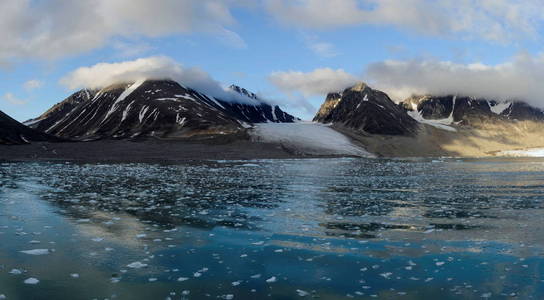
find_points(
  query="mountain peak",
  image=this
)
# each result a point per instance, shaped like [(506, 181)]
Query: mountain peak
[(358, 87), (243, 91)]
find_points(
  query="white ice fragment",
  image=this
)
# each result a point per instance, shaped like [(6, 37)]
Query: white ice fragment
[(136, 265), (386, 275), (271, 279), (36, 252), (16, 272), (74, 275), (182, 279), (31, 280), (302, 293)]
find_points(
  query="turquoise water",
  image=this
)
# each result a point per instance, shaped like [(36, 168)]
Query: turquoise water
[(273, 229)]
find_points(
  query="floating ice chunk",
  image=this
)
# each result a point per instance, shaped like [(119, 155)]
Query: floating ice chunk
[(386, 275), (136, 265), (152, 279), (16, 272), (236, 283), (197, 274), (2, 297), (302, 293), (182, 279), (36, 252), (228, 297), (74, 275), (271, 279), (98, 239), (31, 280), (439, 263), (256, 276)]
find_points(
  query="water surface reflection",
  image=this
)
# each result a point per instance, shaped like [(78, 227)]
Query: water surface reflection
[(330, 228)]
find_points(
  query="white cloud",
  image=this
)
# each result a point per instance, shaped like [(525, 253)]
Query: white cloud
[(317, 82), (12, 99), (156, 67), (320, 48), (33, 84), (494, 20), (518, 79), (57, 28)]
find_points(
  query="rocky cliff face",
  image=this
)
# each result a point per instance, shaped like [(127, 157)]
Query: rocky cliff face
[(60, 110), (158, 108), (468, 110), (15, 133), (362, 108)]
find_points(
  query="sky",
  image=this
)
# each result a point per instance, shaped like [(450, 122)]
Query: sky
[(290, 52)]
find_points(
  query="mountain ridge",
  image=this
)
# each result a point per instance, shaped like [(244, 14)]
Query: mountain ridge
[(158, 108)]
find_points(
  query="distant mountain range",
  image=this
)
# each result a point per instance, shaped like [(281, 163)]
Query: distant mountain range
[(427, 125), (431, 125)]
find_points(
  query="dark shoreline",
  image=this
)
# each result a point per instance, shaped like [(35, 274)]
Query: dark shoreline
[(148, 151)]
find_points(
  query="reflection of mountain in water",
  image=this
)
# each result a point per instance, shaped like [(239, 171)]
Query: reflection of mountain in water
[(347, 198)]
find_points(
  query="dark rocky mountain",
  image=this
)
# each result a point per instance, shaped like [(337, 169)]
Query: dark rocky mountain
[(259, 112), (362, 108), (159, 108), (15, 133), (467, 110), (60, 110)]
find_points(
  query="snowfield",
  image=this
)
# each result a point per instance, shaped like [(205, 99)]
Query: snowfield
[(534, 152), (307, 138)]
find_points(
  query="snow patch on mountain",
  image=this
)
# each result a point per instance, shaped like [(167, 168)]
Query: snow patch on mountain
[(123, 96), (307, 138), (443, 124), (499, 107)]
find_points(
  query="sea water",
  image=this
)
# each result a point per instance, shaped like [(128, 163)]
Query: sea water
[(273, 229)]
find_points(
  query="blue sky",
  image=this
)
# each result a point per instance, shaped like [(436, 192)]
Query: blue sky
[(291, 52)]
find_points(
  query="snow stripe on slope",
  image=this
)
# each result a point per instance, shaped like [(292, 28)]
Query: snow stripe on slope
[(123, 96)]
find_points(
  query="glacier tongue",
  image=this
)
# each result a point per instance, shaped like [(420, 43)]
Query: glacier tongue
[(307, 138)]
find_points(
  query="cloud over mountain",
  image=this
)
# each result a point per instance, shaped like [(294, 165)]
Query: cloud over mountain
[(520, 78), (317, 82), (155, 67)]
